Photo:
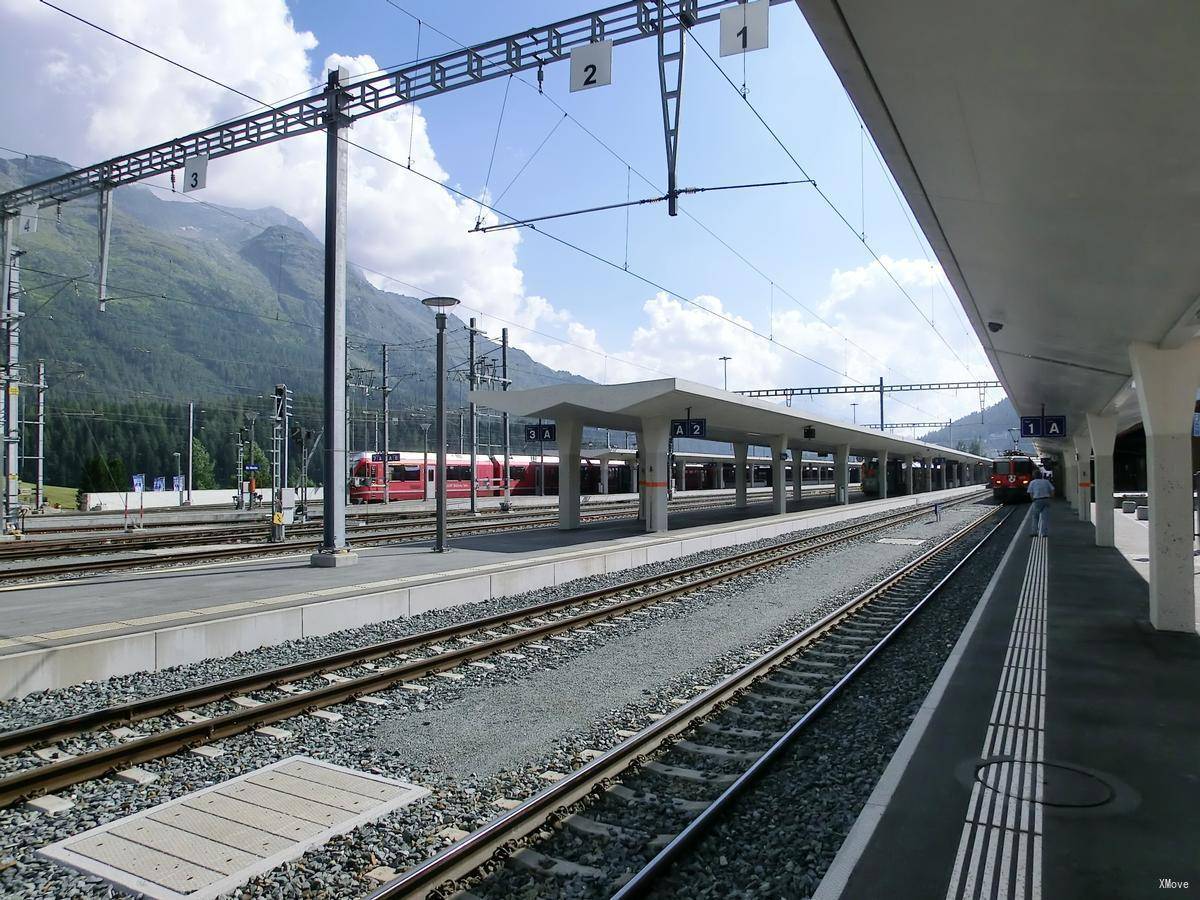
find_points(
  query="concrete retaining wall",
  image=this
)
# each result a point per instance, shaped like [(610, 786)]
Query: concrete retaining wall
[(56, 666), (132, 501)]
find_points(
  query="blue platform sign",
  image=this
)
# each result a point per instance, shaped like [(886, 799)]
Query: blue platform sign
[(139, 483), (543, 432), (690, 428), (1043, 426), (251, 467)]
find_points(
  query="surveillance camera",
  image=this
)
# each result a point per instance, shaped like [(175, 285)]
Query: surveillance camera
[(993, 327)]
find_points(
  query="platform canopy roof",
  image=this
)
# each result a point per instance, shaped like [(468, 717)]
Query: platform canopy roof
[(1048, 151), (730, 418)]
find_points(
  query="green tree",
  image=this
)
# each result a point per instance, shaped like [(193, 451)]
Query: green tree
[(975, 445), (204, 476), (99, 475)]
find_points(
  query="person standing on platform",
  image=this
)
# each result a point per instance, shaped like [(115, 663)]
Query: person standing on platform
[(1041, 490)]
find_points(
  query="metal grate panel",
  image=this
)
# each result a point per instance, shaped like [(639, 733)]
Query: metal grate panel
[(212, 841)]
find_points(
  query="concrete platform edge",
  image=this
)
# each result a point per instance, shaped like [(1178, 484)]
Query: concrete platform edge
[(179, 643), (837, 876)]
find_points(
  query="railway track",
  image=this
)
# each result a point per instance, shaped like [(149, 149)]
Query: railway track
[(197, 715), (369, 535), (683, 771)]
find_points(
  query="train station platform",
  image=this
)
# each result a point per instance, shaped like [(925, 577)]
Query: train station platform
[(64, 632), (1056, 756)]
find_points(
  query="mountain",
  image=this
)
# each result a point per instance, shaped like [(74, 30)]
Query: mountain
[(993, 429), (214, 305)]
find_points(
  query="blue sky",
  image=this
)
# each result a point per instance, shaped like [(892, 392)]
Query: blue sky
[(398, 227)]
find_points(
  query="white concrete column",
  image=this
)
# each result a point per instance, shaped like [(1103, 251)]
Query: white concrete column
[(841, 474), (720, 476), (604, 476), (797, 476), (1166, 388), (942, 470), (1103, 430), (636, 476), (1071, 477), (570, 437), (680, 475), (1083, 482), (778, 475), (883, 485), (739, 476), (908, 474), (655, 471)]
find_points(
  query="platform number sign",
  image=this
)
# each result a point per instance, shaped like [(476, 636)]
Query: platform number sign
[(28, 222), (195, 173), (536, 433), (1043, 426), (689, 428), (744, 27), (591, 66)]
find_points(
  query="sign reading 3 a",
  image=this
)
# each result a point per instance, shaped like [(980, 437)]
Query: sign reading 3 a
[(535, 433)]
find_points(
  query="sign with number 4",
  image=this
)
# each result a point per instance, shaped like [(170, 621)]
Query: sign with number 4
[(744, 27), (195, 173), (591, 66)]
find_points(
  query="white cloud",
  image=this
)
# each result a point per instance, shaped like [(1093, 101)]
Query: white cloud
[(108, 98)]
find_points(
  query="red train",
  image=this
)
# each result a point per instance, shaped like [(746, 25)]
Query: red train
[(1011, 475), (411, 476)]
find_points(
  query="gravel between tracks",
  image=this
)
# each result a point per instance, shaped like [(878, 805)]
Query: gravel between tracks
[(390, 740)]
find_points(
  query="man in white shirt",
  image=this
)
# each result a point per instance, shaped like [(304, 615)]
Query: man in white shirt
[(1041, 490)]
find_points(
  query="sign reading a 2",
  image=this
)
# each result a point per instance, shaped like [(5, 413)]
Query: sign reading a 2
[(689, 428)]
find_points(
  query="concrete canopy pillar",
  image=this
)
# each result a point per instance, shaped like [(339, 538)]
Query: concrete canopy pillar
[(778, 475), (655, 471), (680, 474), (604, 476), (841, 474), (797, 476), (908, 474), (1166, 383), (636, 475), (1070, 477), (882, 473), (570, 438), (739, 475), (720, 476), (1103, 430), (1083, 481)]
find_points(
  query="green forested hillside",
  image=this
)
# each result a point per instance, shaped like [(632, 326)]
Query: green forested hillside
[(210, 305)]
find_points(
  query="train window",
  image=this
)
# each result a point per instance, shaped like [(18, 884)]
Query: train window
[(406, 473), (516, 473), (458, 473), (1023, 466), (1002, 467)]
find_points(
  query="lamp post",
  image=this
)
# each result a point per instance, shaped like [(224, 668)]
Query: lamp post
[(854, 410), (425, 461), (178, 476), (725, 361), (440, 304)]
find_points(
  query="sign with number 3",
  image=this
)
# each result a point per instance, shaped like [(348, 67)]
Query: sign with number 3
[(195, 173), (744, 27), (591, 66)]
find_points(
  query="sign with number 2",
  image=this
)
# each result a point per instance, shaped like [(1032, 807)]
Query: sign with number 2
[(591, 66)]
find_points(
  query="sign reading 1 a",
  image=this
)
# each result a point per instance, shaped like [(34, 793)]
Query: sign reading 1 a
[(1043, 426)]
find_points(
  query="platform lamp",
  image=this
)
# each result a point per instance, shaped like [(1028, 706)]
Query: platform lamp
[(725, 360), (440, 305)]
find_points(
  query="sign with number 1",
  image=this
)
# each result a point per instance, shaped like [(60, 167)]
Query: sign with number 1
[(744, 27), (591, 66)]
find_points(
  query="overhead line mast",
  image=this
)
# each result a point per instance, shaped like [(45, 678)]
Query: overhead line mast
[(332, 110)]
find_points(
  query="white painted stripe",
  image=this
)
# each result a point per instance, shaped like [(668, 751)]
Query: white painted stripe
[(1000, 849)]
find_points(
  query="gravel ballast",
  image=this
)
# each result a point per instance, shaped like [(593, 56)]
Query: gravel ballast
[(474, 741)]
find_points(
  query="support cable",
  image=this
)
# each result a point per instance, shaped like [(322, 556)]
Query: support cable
[(492, 159)]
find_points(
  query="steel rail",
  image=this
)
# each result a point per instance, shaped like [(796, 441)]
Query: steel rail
[(468, 854), (641, 883), (37, 780)]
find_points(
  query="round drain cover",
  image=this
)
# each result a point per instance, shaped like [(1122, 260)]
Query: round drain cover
[(1061, 785)]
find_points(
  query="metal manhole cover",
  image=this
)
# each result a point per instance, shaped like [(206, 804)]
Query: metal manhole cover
[(1063, 786), (212, 841)]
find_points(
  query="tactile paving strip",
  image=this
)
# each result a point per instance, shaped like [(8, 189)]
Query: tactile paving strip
[(210, 842)]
